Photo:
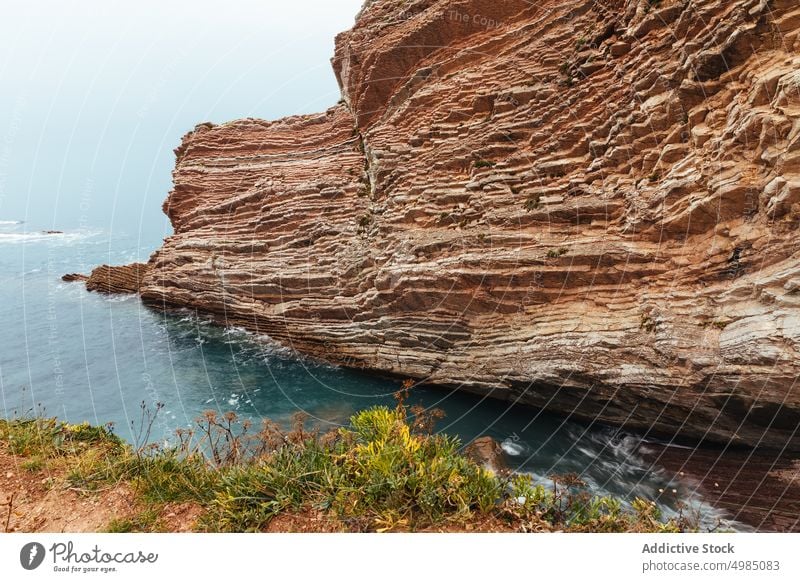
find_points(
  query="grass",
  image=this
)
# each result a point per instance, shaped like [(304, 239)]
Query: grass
[(385, 471), (34, 464), (145, 521)]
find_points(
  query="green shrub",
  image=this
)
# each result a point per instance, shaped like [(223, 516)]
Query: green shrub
[(33, 464), (376, 473), (49, 438), (385, 471)]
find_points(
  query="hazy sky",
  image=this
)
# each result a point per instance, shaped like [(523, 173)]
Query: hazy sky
[(95, 94)]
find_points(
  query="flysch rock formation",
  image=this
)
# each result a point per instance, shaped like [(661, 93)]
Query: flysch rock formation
[(105, 279), (586, 206)]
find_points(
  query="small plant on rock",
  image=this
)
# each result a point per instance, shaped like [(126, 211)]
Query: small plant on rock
[(556, 253), (533, 202)]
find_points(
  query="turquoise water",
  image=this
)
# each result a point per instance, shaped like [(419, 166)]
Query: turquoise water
[(88, 357)]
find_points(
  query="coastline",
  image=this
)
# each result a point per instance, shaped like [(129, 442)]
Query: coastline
[(385, 472)]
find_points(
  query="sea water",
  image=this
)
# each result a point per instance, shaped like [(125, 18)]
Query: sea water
[(84, 356)]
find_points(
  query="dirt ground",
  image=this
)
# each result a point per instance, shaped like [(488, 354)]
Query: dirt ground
[(37, 501), (31, 502)]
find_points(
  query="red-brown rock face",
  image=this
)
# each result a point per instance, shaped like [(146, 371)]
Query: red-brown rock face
[(106, 279), (587, 206)]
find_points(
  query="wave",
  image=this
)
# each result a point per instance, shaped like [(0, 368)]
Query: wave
[(514, 448), (121, 298), (61, 238), (11, 222)]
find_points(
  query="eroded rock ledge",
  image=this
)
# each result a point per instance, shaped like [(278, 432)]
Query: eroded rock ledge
[(588, 206), (108, 279)]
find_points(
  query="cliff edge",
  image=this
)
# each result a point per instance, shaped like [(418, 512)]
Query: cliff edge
[(586, 206)]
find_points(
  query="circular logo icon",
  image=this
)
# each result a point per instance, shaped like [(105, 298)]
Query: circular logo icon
[(31, 555)]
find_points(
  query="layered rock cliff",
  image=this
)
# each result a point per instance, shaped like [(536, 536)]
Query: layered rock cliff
[(586, 206)]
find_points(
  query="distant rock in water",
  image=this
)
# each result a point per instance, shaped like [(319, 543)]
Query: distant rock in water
[(121, 279), (52, 232), (588, 207), (73, 277)]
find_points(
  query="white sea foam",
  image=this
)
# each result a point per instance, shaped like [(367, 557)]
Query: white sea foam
[(121, 298), (60, 238), (10, 222), (235, 331), (513, 448)]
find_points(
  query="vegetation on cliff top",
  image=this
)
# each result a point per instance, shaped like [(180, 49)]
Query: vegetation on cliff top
[(386, 471)]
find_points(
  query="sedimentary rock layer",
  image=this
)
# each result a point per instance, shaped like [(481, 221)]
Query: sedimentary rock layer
[(107, 279), (587, 206)]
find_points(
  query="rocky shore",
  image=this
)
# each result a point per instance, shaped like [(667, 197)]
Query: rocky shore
[(759, 488)]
